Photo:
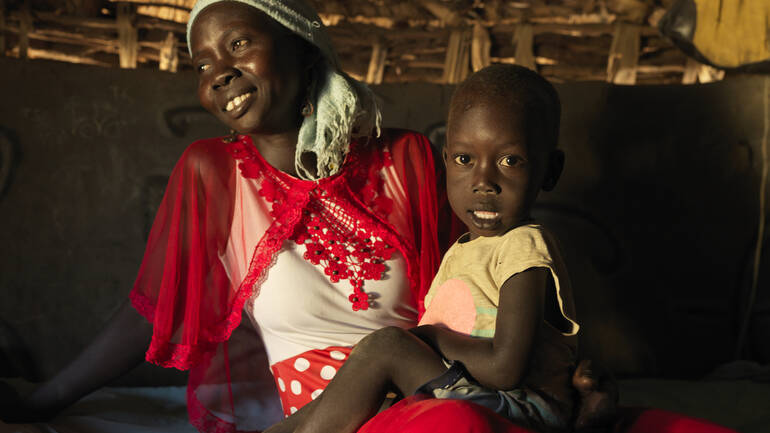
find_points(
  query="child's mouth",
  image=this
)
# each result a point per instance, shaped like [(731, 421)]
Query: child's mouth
[(485, 215), (485, 220)]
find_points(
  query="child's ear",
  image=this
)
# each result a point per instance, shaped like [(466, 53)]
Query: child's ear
[(443, 154), (553, 170)]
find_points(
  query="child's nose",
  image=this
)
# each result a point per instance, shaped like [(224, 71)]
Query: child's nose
[(484, 181)]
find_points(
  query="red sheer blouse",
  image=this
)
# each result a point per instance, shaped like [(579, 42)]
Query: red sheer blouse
[(184, 290)]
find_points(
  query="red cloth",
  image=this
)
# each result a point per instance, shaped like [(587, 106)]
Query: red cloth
[(422, 414), (419, 414), (183, 289), (644, 420)]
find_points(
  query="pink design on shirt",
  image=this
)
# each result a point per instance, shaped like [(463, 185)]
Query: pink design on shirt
[(452, 307)]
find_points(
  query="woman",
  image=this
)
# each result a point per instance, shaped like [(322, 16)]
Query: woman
[(304, 220), (319, 240)]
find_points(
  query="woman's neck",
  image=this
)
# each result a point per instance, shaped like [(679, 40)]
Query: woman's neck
[(278, 149)]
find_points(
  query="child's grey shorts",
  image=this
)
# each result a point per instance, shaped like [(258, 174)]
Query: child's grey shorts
[(524, 406)]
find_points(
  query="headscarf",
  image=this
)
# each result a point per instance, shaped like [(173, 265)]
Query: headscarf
[(343, 107)]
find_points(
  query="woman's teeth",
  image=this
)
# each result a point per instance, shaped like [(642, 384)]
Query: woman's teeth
[(485, 215), (237, 101)]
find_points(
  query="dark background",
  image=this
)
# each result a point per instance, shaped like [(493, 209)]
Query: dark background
[(657, 209)]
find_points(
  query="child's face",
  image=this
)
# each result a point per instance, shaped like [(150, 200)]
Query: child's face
[(493, 172)]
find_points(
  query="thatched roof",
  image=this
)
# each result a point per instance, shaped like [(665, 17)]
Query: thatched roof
[(381, 40)]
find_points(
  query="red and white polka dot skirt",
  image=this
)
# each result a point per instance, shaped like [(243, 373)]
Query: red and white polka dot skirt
[(303, 378)]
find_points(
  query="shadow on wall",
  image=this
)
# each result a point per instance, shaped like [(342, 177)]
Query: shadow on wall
[(656, 208), (8, 159)]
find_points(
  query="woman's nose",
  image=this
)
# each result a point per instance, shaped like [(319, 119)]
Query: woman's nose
[(224, 77)]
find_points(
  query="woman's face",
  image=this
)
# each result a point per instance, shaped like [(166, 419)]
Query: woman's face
[(250, 69)]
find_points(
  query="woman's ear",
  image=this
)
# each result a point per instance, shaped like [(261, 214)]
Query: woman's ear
[(311, 55), (553, 170)]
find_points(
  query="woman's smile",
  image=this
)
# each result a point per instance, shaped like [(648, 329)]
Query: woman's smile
[(238, 105)]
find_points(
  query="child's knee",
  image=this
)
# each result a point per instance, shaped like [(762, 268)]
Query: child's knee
[(382, 341)]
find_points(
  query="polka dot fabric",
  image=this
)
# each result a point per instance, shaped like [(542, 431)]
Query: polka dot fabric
[(303, 378)]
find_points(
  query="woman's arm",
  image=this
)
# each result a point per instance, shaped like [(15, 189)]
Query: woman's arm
[(499, 362), (118, 348)]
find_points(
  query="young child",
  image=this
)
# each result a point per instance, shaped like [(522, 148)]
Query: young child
[(499, 328)]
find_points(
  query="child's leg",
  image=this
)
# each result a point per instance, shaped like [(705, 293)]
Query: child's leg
[(390, 357)]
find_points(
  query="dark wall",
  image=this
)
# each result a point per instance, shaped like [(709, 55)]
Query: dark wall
[(657, 207)]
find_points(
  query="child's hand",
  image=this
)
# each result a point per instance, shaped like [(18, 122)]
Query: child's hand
[(598, 401)]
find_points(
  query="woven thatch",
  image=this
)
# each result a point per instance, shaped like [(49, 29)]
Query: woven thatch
[(380, 40)]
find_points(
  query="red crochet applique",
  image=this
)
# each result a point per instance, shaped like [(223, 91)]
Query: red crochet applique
[(324, 217)]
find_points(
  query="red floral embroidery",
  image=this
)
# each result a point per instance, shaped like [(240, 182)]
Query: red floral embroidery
[(337, 235)]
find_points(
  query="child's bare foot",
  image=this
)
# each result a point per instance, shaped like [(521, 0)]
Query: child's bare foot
[(598, 401)]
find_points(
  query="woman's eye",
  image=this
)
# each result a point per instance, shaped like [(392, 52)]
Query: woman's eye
[(239, 43), (462, 159), (510, 161)]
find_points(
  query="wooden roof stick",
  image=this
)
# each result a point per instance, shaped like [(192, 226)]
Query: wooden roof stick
[(624, 54), (127, 36)]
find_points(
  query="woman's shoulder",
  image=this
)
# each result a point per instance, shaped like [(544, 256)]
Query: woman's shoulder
[(404, 140), (408, 150), (207, 154)]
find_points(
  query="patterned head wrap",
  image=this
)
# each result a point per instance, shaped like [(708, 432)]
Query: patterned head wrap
[(343, 106)]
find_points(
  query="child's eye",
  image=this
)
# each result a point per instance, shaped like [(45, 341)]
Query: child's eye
[(511, 161), (239, 43), (462, 159), (203, 68)]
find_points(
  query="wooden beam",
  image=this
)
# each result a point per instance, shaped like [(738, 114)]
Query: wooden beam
[(695, 72), (624, 55), (65, 37), (62, 57), (456, 64), (440, 11), (127, 35), (690, 75), (94, 23), (523, 39), (85, 8), (169, 55), (376, 69), (181, 8), (481, 48), (423, 64), (708, 74), (25, 28), (574, 30), (2, 28), (159, 24), (665, 69)]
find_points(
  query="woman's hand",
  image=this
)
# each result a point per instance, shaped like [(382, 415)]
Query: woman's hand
[(15, 409), (10, 402)]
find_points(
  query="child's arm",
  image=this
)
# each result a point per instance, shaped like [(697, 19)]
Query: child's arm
[(499, 362)]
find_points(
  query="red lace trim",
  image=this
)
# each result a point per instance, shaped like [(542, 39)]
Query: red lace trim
[(161, 351), (143, 305), (205, 421), (346, 242)]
